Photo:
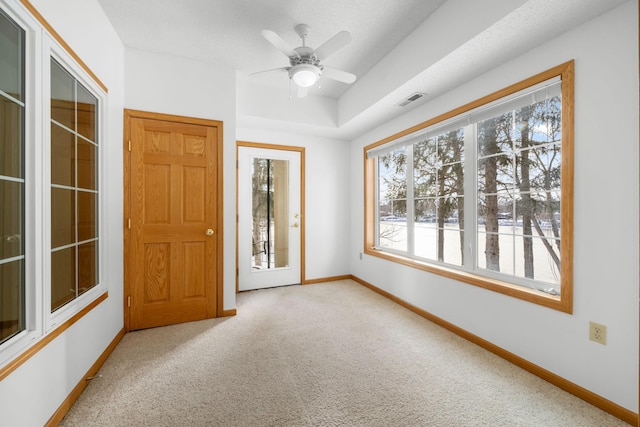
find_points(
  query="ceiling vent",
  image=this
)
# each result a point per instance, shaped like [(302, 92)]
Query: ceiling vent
[(412, 98)]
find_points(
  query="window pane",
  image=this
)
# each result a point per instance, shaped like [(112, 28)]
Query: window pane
[(11, 139), (392, 184), (495, 252), (87, 266), (74, 197), (87, 104), (11, 299), (63, 158), (63, 217), (87, 216), (393, 234), (12, 54), (63, 277), (535, 260), (11, 219), (426, 238), (87, 167), (453, 238), (62, 96), (425, 210)]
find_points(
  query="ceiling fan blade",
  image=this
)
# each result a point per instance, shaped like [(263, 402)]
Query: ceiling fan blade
[(280, 69), (302, 91), (341, 76), (280, 44), (332, 45)]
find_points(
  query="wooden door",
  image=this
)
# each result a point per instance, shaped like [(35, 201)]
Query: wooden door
[(174, 240)]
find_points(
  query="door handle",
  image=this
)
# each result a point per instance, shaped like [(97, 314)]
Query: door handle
[(295, 225), (209, 232)]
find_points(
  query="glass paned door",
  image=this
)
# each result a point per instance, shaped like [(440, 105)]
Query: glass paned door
[(269, 221)]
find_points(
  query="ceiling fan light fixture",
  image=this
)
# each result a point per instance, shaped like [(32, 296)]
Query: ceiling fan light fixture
[(305, 75)]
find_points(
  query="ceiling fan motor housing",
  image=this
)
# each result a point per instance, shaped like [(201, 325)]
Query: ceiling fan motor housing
[(307, 56)]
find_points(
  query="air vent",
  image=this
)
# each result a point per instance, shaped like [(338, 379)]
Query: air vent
[(412, 98)]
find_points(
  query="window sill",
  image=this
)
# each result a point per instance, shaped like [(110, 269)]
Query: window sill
[(45, 339), (562, 303)]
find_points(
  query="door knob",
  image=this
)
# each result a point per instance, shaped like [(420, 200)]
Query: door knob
[(209, 232), (295, 225)]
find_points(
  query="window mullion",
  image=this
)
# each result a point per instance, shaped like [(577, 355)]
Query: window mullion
[(470, 199), (410, 203)]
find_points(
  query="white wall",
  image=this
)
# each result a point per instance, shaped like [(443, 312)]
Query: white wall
[(326, 199), (173, 85), (606, 253), (32, 393)]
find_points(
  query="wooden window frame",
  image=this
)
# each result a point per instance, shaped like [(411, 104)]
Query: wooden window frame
[(562, 302)]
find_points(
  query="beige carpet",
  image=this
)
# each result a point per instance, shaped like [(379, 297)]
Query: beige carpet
[(331, 354)]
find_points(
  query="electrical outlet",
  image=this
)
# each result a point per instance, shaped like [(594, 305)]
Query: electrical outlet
[(598, 333), (361, 255)]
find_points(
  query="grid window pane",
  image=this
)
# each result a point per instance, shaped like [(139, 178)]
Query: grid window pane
[(12, 54), (12, 180), (86, 113), (63, 277), (87, 216), (63, 157), (63, 217), (87, 167), (74, 196), (11, 137), (11, 299), (11, 219), (63, 99), (87, 266)]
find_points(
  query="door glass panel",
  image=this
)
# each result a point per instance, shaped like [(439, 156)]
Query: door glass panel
[(270, 213)]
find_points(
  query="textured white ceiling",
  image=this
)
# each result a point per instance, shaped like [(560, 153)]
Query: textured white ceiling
[(227, 32)]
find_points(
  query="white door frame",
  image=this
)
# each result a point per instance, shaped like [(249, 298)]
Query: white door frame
[(246, 278)]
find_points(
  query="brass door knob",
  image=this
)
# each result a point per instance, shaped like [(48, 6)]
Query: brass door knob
[(209, 232)]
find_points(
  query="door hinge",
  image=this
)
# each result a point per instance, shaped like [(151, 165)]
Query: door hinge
[(129, 223), (129, 145), (129, 301)]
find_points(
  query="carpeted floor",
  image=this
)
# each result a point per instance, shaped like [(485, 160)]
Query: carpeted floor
[(331, 354)]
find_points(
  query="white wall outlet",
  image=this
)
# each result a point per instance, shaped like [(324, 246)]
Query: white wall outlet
[(598, 333)]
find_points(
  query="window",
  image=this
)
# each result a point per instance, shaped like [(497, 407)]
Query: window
[(50, 129), (12, 179), (483, 194), (74, 188)]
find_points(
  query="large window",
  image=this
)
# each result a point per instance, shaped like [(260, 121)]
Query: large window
[(12, 179), (483, 194), (74, 188), (50, 129)]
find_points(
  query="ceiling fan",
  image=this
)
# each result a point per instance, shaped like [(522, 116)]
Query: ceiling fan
[(305, 69)]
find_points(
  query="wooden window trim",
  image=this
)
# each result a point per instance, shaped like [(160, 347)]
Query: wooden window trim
[(19, 360), (563, 302)]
